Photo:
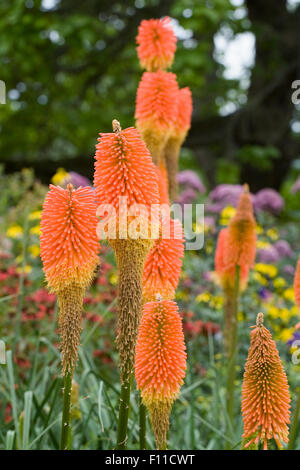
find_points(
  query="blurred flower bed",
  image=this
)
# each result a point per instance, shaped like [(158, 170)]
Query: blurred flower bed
[(28, 306)]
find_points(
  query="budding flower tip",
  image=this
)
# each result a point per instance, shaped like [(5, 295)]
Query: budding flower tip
[(260, 319), (246, 188), (70, 187), (116, 126)]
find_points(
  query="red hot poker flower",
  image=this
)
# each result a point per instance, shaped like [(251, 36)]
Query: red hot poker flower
[(160, 363), (156, 44), (265, 393), (156, 109)]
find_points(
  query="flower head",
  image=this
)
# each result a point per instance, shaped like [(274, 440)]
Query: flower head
[(268, 200), (297, 284), (190, 179), (125, 175), (160, 363), (69, 245), (163, 184), (184, 112), (265, 393), (240, 243), (226, 274), (163, 263), (156, 109), (156, 44)]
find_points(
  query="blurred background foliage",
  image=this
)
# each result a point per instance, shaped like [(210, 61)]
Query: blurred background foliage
[(70, 67)]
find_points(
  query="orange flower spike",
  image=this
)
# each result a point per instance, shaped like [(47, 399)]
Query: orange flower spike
[(160, 363), (124, 168), (226, 275), (69, 251), (163, 184), (265, 392), (177, 137), (240, 243), (156, 44), (156, 109), (163, 263), (297, 284)]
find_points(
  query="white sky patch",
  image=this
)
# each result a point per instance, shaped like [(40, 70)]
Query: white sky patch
[(292, 4), (236, 54), (49, 4), (181, 33)]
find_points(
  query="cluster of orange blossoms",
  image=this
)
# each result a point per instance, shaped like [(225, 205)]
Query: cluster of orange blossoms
[(160, 363), (237, 245), (265, 393), (69, 251), (163, 111)]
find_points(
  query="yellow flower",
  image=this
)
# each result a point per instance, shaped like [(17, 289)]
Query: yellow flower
[(262, 245), (261, 279), (273, 311), (259, 229), (217, 302), (266, 269), (289, 294), (279, 282), (34, 250), (27, 269), (294, 311), (113, 279), (226, 215), (286, 334), (284, 314), (204, 297), (59, 176), (35, 215), (272, 233), (14, 231), (36, 230), (198, 228)]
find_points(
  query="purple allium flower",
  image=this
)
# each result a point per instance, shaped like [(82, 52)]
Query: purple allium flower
[(289, 269), (210, 222), (190, 179), (77, 180), (268, 200), (268, 255), (296, 186), (283, 248), (187, 196), (225, 195)]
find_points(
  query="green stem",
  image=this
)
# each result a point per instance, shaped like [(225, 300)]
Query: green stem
[(295, 422), (65, 442), (232, 358), (123, 415), (142, 432)]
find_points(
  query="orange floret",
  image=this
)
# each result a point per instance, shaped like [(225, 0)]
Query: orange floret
[(156, 109), (69, 245), (156, 44), (184, 112), (240, 244), (163, 184), (164, 261), (124, 169), (265, 393), (226, 275), (160, 352), (160, 363), (297, 284)]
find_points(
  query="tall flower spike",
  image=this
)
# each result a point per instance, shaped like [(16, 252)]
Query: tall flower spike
[(226, 274), (177, 137), (240, 243), (124, 168), (156, 109), (163, 184), (163, 263), (69, 249), (160, 363), (265, 392), (297, 284), (156, 44)]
